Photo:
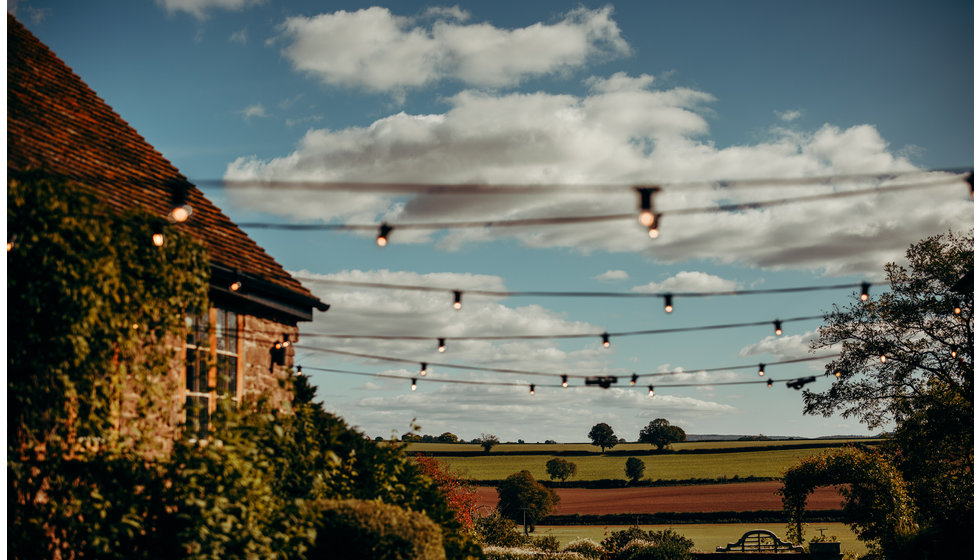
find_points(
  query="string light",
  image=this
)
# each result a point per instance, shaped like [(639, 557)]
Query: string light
[(633, 379), (646, 204), (181, 210), (442, 345), (605, 340), (235, 286), (383, 231), (762, 370), (883, 358), (769, 383), (564, 381), (837, 374), (953, 352), (650, 387), (532, 389), (457, 300), (654, 231), (285, 340), (865, 286), (778, 327), (423, 370), (158, 235), (958, 308), (414, 385), (668, 303)]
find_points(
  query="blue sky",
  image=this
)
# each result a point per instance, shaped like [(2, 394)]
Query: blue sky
[(552, 93)]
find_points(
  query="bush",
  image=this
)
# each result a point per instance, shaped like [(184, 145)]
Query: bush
[(636, 544), (497, 530), (358, 529), (514, 553), (586, 547), (547, 543)]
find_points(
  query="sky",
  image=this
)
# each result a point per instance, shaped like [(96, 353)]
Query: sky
[(575, 104)]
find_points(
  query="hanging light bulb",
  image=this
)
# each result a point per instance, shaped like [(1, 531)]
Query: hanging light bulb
[(654, 231), (605, 340), (958, 308), (414, 386), (235, 286), (884, 358), (384, 230), (532, 389), (158, 235), (633, 380), (762, 370), (865, 286), (442, 345), (769, 383), (953, 352), (180, 209), (646, 204), (778, 325), (668, 303), (837, 374), (564, 381), (423, 370), (650, 387), (299, 370), (457, 300)]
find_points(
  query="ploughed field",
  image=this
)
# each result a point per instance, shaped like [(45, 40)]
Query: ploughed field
[(744, 496)]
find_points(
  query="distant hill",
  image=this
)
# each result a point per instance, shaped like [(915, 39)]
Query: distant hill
[(737, 437)]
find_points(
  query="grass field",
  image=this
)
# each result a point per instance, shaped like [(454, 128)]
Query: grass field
[(587, 447), (707, 537), (769, 463)]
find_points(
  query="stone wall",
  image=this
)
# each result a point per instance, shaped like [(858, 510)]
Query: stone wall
[(260, 377)]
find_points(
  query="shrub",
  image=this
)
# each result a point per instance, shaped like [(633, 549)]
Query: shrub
[(515, 553), (636, 544), (549, 543), (358, 529), (586, 547), (496, 530)]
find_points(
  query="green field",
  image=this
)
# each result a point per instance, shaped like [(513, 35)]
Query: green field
[(769, 463), (706, 537), (587, 447)]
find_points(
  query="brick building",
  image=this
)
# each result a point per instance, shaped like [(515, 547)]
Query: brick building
[(57, 124)]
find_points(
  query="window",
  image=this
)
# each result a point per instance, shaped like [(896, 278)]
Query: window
[(212, 366)]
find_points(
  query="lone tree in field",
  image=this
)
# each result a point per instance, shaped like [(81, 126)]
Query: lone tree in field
[(634, 469), (487, 441), (906, 357), (659, 432), (560, 468), (525, 500), (602, 436)]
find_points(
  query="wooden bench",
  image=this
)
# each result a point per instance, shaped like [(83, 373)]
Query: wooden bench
[(760, 541)]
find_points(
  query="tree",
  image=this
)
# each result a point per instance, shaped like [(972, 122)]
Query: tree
[(487, 441), (525, 500), (634, 469), (560, 468), (659, 432), (447, 437), (906, 357), (602, 436)]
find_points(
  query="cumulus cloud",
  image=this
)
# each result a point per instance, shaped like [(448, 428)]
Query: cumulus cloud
[(689, 281), (200, 8), (376, 50), (623, 132), (613, 275)]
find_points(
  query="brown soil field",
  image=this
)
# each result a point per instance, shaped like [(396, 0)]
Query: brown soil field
[(743, 496)]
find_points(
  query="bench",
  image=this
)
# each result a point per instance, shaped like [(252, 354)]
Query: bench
[(760, 541)]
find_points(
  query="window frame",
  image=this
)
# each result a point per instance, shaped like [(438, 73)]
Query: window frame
[(208, 391)]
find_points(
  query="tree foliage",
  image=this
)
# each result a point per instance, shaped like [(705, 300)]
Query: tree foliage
[(460, 495), (659, 432), (487, 442), (906, 357), (524, 499), (634, 469), (602, 436), (560, 469)]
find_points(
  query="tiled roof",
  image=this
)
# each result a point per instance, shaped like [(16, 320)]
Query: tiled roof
[(56, 123)]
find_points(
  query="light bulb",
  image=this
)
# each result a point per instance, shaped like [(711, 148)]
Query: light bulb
[(883, 358), (158, 239), (424, 369), (181, 213), (532, 390), (235, 286), (650, 387), (668, 303), (442, 344), (958, 309), (837, 374), (605, 340), (762, 369), (383, 231), (654, 224), (646, 218), (457, 299), (564, 381), (864, 291), (633, 380), (414, 386), (779, 327), (769, 383)]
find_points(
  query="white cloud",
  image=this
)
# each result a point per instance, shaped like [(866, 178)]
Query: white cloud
[(240, 37), (790, 115), (622, 133), (254, 111), (376, 50), (689, 281), (200, 8), (613, 275)]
